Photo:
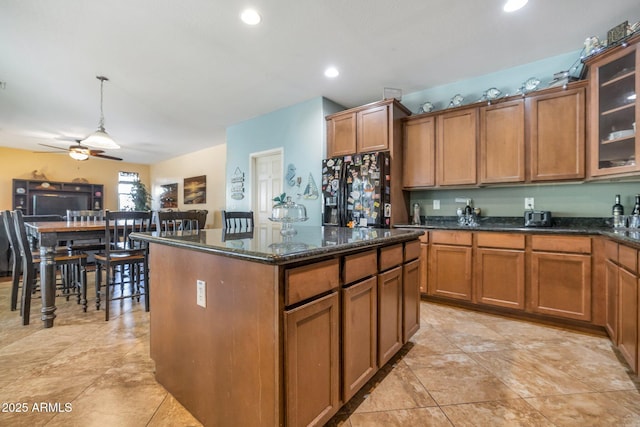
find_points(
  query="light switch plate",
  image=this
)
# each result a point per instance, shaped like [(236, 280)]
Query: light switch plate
[(201, 293), (436, 205)]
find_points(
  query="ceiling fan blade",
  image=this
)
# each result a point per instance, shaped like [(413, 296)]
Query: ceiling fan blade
[(104, 156), (53, 146), (94, 152)]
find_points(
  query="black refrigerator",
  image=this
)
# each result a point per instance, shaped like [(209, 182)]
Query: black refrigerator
[(355, 190)]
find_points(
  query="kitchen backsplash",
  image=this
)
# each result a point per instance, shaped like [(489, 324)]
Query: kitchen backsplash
[(563, 200)]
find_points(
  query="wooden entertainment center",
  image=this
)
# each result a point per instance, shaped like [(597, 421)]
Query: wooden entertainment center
[(52, 197)]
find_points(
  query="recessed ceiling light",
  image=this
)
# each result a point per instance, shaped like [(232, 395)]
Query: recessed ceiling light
[(250, 17), (513, 5), (331, 72)]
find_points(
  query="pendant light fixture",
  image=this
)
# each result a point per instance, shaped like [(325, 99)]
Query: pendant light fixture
[(100, 138)]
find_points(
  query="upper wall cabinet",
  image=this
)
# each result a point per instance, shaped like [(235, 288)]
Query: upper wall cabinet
[(364, 129), (502, 142), (419, 145), (341, 135), (534, 139), (614, 112), (556, 133), (456, 146)]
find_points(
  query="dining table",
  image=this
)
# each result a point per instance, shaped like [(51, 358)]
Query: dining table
[(48, 235)]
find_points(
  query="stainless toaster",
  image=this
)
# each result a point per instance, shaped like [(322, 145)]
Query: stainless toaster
[(537, 218)]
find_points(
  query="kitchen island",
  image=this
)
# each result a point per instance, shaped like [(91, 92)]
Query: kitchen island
[(257, 329)]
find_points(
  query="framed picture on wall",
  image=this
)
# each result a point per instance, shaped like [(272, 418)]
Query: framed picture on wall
[(169, 196), (195, 190)]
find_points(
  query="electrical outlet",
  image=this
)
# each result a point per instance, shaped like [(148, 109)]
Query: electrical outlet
[(201, 293), (436, 205), (528, 203)]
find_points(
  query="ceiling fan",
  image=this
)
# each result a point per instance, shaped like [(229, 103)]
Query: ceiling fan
[(80, 152)]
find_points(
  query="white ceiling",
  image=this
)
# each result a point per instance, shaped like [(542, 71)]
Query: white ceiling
[(182, 71)]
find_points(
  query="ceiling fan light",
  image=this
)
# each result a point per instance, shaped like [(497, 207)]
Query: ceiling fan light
[(100, 139), (78, 155)]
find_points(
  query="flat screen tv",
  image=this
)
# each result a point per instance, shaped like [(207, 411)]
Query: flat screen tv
[(57, 204)]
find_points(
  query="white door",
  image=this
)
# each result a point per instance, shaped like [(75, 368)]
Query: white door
[(267, 184)]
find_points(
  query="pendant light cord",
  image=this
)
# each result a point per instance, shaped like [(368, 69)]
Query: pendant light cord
[(101, 122)]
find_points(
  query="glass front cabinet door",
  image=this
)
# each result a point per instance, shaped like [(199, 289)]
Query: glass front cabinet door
[(614, 111)]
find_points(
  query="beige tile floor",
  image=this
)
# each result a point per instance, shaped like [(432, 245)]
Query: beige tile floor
[(462, 368)]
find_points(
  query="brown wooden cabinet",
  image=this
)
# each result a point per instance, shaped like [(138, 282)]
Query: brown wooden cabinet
[(456, 147), (364, 129), (419, 146), (373, 129), (613, 80), (611, 303), (341, 135), (410, 299), (561, 276), (359, 335), (628, 316), (311, 363), (450, 264), (502, 148), (500, 270), (424, 263), (389, 314), (556, 129)]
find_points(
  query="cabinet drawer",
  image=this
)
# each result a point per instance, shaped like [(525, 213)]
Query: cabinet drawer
[(611, 250), (391, 256), (411, 250), (500, 240), (628, 258), (359, 266), (573, 244), (462, 238), (311, 280)]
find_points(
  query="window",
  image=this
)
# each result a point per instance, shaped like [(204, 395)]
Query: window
[(125, 183)]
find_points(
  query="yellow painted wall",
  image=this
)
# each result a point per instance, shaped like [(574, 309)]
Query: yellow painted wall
[(60, 167), (210, 162)]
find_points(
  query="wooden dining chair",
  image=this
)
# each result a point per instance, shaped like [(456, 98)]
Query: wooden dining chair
[(85, 245), (16, 258), (123, 259), (72, 268), (172, 221), (237, 220)]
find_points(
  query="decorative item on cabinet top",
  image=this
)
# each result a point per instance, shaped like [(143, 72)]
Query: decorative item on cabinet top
[(456, 101)]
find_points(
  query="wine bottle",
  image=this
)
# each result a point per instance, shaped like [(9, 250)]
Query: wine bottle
[(636, 206), (618, 213)]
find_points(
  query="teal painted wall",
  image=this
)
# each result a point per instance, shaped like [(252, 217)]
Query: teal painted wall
[(508, 81), (299, 130), (563, 200)]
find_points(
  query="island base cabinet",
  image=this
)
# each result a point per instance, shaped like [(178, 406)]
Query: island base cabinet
[(410, 299), (389, 314), (500, 278), (312, 377), (359, 335), (561, 285), (628, 315)]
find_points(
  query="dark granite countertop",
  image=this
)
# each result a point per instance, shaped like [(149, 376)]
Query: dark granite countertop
[(272, 248), (561, 225)]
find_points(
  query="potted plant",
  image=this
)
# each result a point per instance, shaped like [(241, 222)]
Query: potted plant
[(140, 197)]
